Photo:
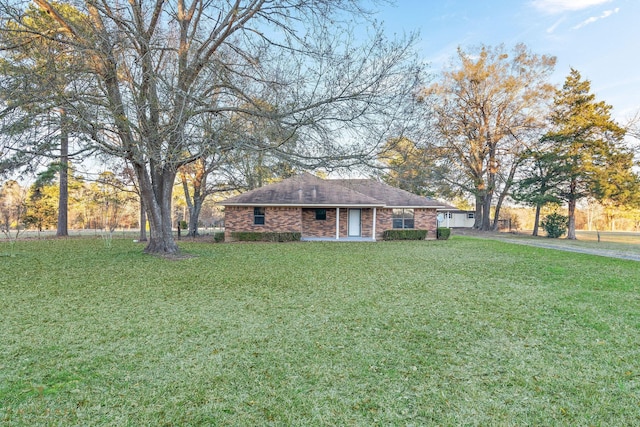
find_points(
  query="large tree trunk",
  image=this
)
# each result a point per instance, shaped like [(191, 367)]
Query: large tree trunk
[(477, 223), (156, 197), (571, 225), (199, 182), (63, 199), (194, 215), (496, 215), (536, 221), (143, 223), (503, 194), (486, 214)]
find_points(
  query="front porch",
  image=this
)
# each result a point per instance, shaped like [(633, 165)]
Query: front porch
[(335, 223), (341, 239)]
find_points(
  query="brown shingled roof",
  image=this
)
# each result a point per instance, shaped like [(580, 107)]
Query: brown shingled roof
[(309, 190), (392, 196), (303, 190)]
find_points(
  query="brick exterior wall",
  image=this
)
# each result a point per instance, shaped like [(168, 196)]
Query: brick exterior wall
[(424, 219), (312, 227), (296, 219), (278, 219)]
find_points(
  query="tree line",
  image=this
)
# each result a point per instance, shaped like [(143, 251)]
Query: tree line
[(223, 96), (497, 130)]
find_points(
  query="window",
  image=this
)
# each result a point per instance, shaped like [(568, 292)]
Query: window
[(321, 214), (471, 215), (402, 218), (258, 216)]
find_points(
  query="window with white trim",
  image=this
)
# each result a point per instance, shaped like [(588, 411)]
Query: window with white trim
[(403, 218), (258, 216)]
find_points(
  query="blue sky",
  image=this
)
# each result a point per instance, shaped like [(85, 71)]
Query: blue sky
[(599, 38)]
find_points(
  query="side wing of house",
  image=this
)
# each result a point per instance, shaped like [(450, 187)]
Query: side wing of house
[(455, 218)]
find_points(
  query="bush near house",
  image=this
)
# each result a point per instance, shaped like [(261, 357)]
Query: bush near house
[(443, 233), (254, 236), (404, 234)]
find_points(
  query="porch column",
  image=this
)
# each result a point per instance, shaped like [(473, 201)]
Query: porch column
[(337, 223), (373, 227), (301, 222)]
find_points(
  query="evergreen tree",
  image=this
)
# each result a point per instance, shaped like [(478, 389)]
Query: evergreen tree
[(588, 147)]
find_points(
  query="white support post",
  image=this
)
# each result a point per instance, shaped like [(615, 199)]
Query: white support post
[(337, 223), (373, 227)]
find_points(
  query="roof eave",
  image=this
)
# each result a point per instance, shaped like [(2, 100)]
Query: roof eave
[(413, 207), (310, 205)]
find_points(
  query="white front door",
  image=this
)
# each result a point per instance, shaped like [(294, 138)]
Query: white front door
[(354, 222)]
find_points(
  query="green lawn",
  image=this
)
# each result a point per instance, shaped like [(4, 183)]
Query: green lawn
[(460, 332)]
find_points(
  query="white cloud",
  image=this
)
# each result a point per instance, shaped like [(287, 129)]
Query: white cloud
[(593, 19), (559, 6)]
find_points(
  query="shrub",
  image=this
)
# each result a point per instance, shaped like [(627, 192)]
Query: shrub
[(443, 233), (218, 236), (555, 225), (184, 225), (269, 236), (283, 237), (404, 234)]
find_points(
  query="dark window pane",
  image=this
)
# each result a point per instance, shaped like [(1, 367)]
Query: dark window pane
[(258, 216), (321, 214), (408, 223), (397, 222)]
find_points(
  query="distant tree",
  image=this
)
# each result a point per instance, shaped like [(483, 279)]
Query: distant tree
[(112, 196), (12, 208), (244, 153), (42, 202), (541, 174), (589, 145), (414, 168), (35, 70), (489, 110)]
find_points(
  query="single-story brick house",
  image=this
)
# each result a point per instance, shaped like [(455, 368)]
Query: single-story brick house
[(331, 209)]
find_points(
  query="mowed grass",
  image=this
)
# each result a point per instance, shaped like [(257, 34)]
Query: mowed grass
[(460, 332)]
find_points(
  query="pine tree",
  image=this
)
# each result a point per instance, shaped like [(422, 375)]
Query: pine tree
[(588, 145)]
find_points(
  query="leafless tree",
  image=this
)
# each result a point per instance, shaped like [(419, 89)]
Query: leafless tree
[(489, 108), (155, 71), (12, 209)]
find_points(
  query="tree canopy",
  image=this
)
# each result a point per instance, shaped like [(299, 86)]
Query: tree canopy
[(589, 146), (488, 110), (155, 75)]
